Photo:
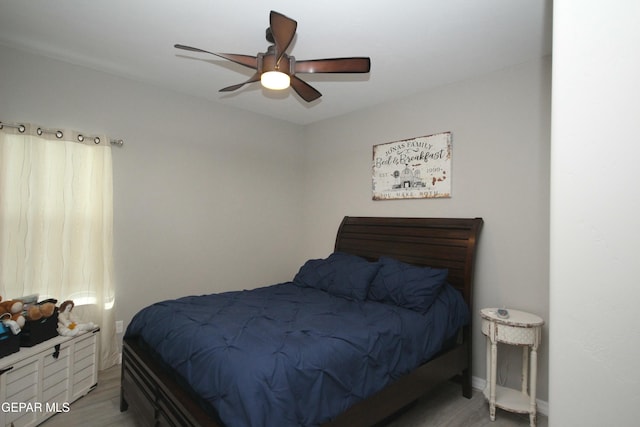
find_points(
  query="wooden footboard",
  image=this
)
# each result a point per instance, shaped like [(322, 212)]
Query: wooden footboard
[(404, 391), (154, 395)]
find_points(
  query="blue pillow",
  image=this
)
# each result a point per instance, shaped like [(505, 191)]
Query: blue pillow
[(340, 274), (407, 285)]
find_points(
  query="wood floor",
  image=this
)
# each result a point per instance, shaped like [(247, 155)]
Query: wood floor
[(445, 407)]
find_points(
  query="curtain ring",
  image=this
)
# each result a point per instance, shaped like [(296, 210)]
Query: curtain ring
[(21, 128), (96, 140), (59, 134), (39, 131), (80, 137)]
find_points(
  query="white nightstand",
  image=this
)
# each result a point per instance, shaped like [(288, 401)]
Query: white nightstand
[(523, 329)]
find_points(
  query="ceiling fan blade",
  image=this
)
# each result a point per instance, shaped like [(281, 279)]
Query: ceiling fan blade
[(254, 78), (303, 89), (246, 60), (334, 65), (283, 29)]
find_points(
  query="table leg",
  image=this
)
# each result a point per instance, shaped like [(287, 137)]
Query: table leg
[(524, 380), (532, 390), (488, 386), (492, 390)]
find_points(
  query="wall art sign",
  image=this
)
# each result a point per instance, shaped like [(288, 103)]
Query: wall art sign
[(417, 168)]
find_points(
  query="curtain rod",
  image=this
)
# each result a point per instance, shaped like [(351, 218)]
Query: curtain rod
[(58, 133)]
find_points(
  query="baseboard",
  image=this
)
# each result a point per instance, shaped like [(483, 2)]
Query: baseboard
[(480, 384)]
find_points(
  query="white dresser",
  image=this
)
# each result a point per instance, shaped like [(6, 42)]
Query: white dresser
[(40, 381)]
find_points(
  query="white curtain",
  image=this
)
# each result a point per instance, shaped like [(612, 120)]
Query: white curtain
[(56, 223)]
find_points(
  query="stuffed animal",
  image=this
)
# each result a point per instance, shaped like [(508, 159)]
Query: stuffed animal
[(11, 306), (12, 310), (68, 323), (42, 309)]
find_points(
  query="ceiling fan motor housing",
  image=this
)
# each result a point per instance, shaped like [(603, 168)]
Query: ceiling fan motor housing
[(267, 62)]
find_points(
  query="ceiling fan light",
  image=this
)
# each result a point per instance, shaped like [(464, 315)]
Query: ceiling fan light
[(275, 80)]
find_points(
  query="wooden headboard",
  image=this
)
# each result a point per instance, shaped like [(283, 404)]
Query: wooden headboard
[(434, 242)]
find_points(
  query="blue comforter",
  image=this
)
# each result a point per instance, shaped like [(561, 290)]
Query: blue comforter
[(286, 355)]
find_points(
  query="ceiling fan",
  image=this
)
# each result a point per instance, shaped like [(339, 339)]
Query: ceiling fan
[(277, 70)]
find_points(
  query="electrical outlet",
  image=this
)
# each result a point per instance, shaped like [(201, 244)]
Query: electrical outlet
[(119, 326)]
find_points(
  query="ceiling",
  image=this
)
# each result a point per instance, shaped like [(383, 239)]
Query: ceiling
[(414, 45)]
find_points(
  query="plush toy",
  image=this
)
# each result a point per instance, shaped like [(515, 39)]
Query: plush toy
[(11, 306), (42, 309), (12, 310), (68, 323)]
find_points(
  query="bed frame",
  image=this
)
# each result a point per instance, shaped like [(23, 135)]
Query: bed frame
[(149, 389)]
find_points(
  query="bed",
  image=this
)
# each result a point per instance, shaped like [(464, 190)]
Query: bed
[(163, 371)]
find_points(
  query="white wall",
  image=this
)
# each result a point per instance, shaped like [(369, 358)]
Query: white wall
[(595, 205), (500, 171), (206, 198)]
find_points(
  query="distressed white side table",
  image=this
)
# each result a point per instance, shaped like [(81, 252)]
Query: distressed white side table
[(522, 329)]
